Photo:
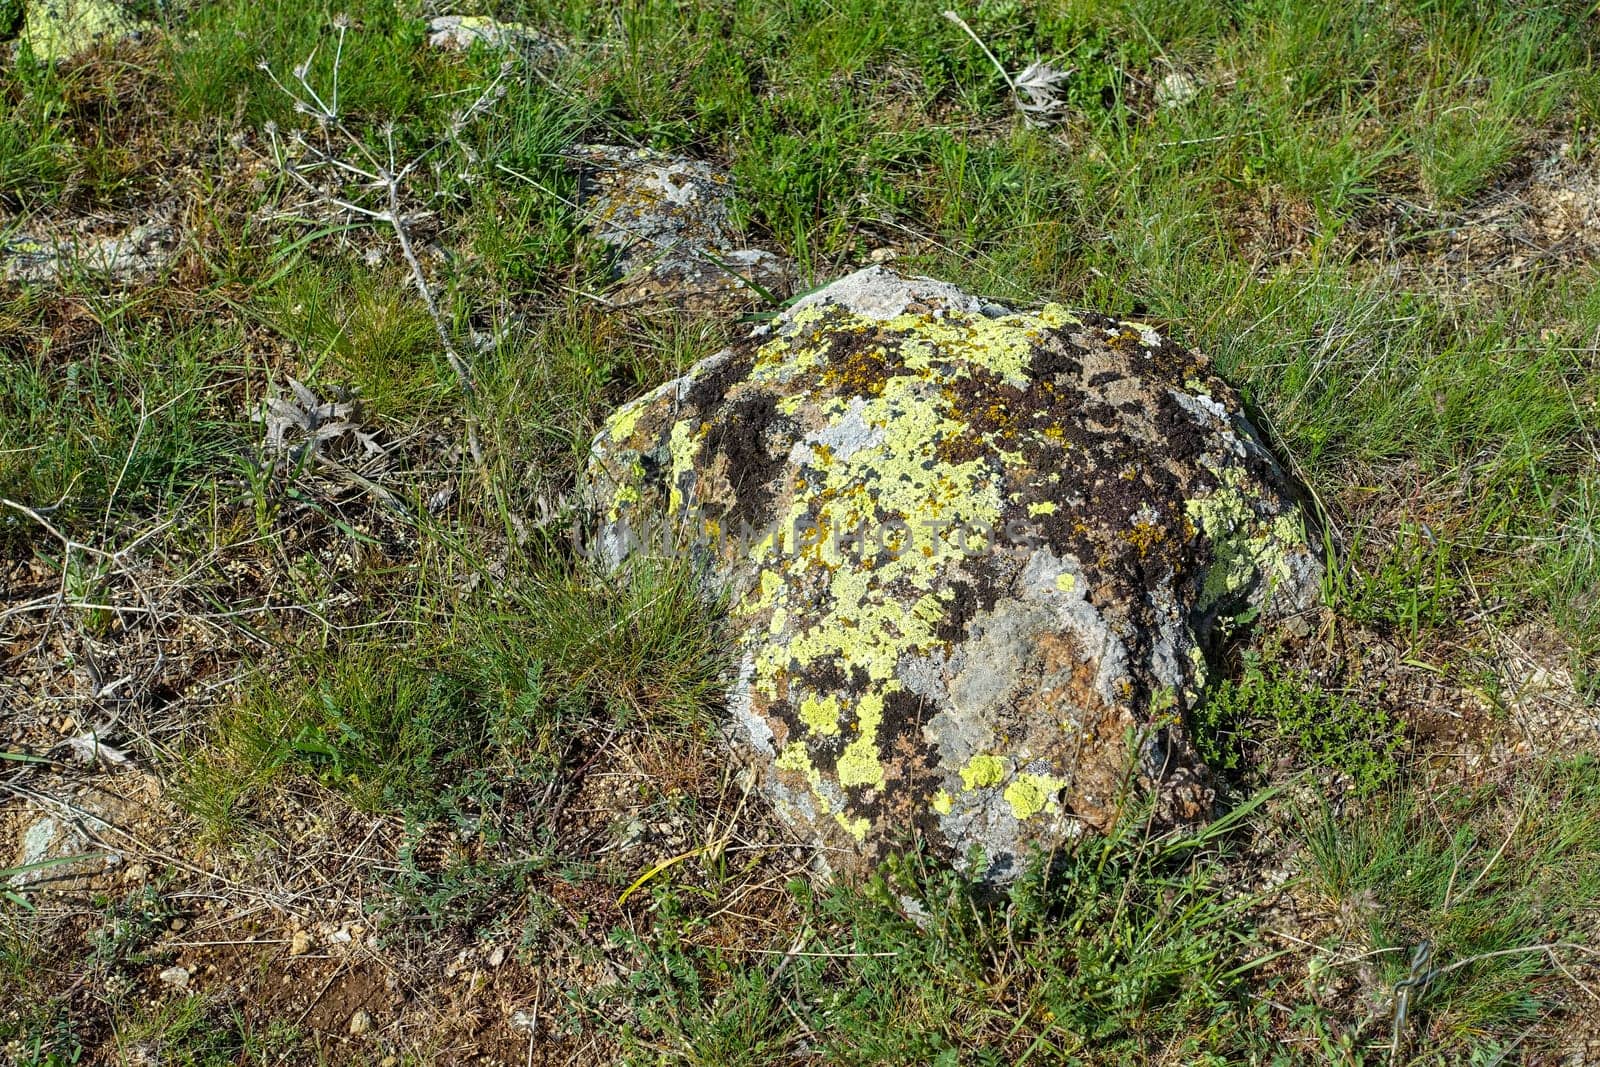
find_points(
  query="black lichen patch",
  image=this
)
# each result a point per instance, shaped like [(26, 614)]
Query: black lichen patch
[(975, 594), (910, 763), (859, 362), (953, 627), (739, 432), (822, 675), (710, 388), (1185, 437), (1054, 358)]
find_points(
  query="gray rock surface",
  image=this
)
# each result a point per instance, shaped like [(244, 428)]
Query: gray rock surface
[(40, 256), (669, 220)]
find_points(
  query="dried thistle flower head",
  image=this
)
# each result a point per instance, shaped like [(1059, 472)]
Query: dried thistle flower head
[(1036, 92)]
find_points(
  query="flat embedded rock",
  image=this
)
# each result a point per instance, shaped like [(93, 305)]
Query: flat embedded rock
[(134, 254), (62, 29), (458, 33), (669, 221), (975, 560)]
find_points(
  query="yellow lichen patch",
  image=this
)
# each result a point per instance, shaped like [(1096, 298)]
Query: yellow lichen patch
[(787, 355), (1245, 547), (1065, 582), (1003, 345), (627, 493), (625, 421), (821, 714), (856, 828), (796, 759), (942, 802), (859, 763), (1145, 536), (1029, 794), (683, 446), (931, 608), (983, 772), (882, 495), (1042, 507)]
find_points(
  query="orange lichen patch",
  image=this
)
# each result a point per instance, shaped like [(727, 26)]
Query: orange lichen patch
[(1144, 537)]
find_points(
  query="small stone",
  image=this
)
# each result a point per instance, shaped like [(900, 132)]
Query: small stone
[(360, 1023), (457, 33), (670, 221), (176, 977), (1176, 89), (61, 29), (137, 252), (300, 943)]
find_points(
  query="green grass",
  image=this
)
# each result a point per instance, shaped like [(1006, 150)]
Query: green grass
[(38, 1027), (1292, 220), (1498, 882), (109, 412), (365, 331), (495, 687), (383, 73), (1128, 949), (1125, 943)]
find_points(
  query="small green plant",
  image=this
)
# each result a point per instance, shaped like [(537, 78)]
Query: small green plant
[(188, 1032), (1269, 706), (37, 1025), (127, 928)]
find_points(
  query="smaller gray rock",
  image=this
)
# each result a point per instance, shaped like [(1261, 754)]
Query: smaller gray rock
[(62, 29), (137, 253), (670, 221), (458, 33), (50, 836), (1176, 89)]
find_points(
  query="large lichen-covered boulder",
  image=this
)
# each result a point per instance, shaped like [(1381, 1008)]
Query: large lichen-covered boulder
[(974, 559)]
